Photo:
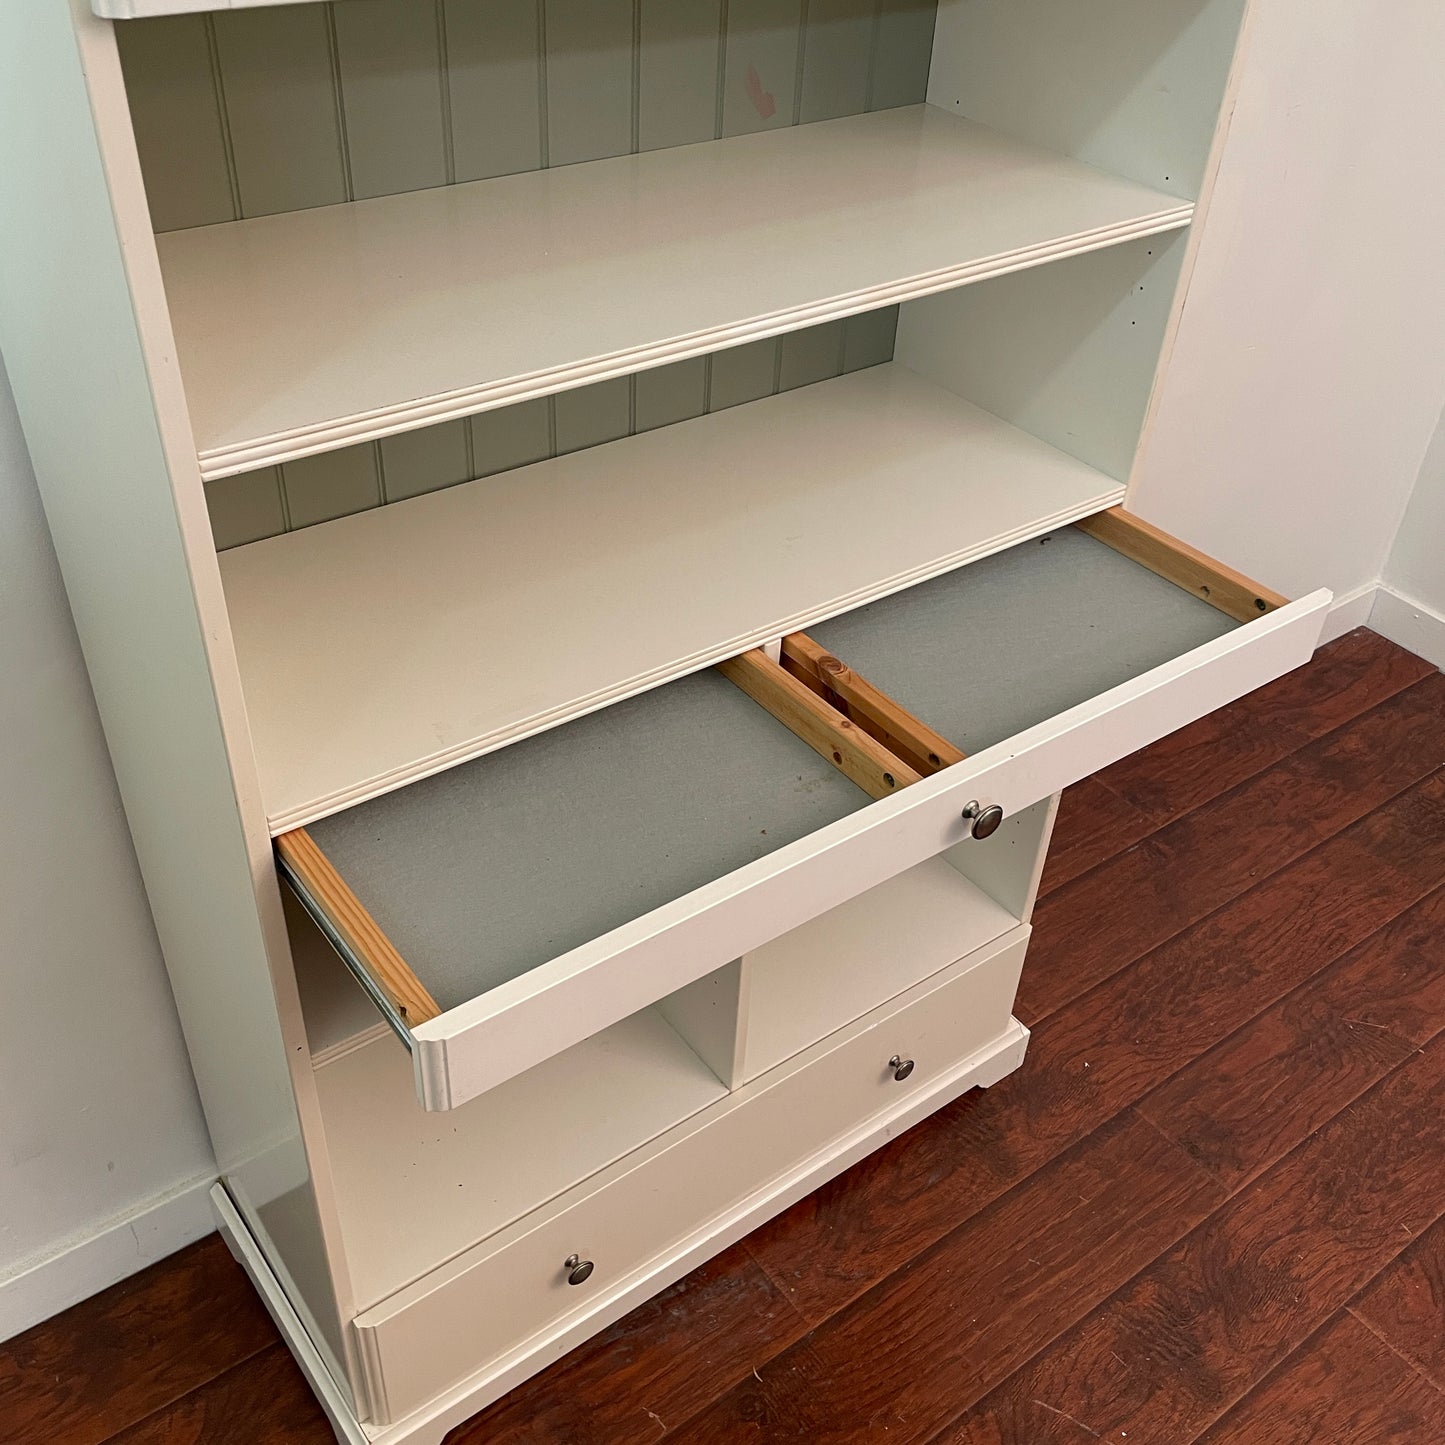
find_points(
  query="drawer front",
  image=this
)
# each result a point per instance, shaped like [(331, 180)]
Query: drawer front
[(481, 1043), (465, 1314)]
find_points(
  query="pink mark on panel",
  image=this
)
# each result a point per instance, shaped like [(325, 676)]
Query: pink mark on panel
[(764, 102)]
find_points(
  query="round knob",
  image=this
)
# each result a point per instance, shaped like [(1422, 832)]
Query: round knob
[(984, 821), (579, 1270), (901, 1067)]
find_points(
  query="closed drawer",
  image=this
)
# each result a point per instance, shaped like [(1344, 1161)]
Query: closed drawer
[(537, 895), (456, 1320)]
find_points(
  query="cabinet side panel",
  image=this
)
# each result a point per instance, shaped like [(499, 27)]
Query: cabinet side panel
[(101, 407), (1133, 86), (1066, 351), (1008, 865)]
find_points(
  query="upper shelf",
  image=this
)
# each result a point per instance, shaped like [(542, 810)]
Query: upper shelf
[(142, 9), (388, 645), (302, 332)]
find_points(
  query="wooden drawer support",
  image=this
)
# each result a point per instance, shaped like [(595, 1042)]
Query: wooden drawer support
[(1231, 592), (923, 751), (857, 755), (856, 698), (357, 935)]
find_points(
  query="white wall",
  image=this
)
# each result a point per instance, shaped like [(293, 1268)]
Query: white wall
[(104, 1158), (1417, 560), (1410, 607), (1309, 368)]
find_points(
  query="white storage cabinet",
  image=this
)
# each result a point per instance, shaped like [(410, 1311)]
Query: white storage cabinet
[(600, 529)]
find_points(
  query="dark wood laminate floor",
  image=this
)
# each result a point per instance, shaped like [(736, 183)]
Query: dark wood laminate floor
[(1210, 1207)]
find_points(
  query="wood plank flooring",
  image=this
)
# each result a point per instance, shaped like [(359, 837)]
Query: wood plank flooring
[(1209, 1207)]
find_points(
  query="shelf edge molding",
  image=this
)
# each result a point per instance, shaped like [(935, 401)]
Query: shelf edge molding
[(312, 330), (422, 412)]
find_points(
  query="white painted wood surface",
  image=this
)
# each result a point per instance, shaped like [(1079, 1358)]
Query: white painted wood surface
[(417, 1188), (81, 302), (1134, 86), (430, 1424), (388, 645), (303, 332), (477, 1045), (334, 1395), (815, 979), (1067, 353), (711, 1015), (139, 9), (1009, 866), (431, 1334)]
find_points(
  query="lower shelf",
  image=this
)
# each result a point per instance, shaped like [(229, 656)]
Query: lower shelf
[(686, 1193)]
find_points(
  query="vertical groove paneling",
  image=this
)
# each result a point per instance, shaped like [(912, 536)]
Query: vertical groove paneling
[(422, 461), (589, 79), (389, 58), (901, 53), (836, 59), (678, 72), (280, 101), (594, 414), (511, 436), (743, 373), (811, 355), (245, 508), (334, 484), (177, 116), (669, 394), (760, 68), (494, 75), (868, 338), (248, 112)]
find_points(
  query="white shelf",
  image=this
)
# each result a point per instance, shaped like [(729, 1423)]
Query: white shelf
[(144, 9), (303, 332), (386, 646), (415, 1189)]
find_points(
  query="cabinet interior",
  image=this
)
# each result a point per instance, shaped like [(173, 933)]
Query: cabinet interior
[(542, 352)]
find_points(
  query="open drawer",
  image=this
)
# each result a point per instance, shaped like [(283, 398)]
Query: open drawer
[(502, 911)]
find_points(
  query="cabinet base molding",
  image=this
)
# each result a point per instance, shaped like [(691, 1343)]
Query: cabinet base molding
[(430, 1424), (249, 1255)]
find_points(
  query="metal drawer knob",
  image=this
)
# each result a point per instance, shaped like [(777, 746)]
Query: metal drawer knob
[(984, 821), (579, 1270), (901, 1067)]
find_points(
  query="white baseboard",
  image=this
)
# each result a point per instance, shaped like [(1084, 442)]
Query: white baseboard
[(84, 1265), (1350, 610), (1410, 624)]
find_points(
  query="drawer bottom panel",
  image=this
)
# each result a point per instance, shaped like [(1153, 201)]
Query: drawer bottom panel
[(491, 1299)]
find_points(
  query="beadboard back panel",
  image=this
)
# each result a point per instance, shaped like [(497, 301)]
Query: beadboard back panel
[(253, 505), (249, 112)]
